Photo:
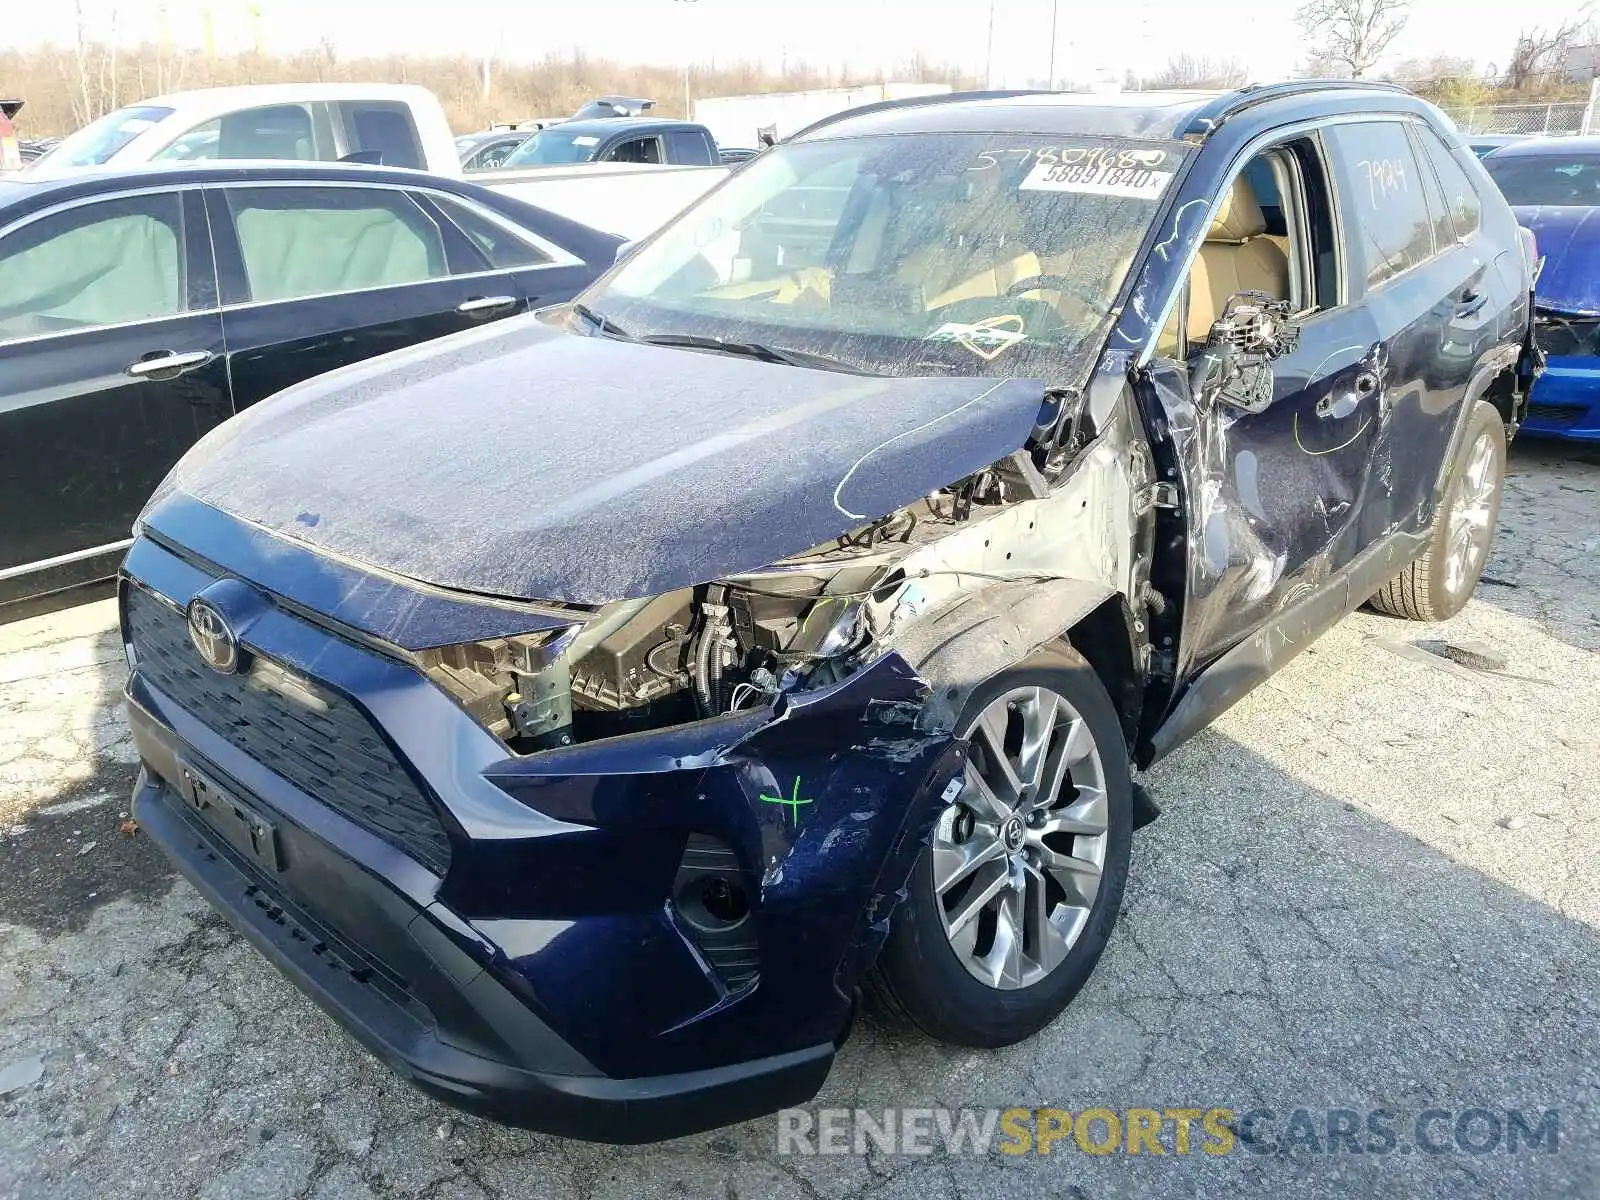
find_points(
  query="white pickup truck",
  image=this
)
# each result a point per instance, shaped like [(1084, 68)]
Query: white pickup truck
[(396, 125)]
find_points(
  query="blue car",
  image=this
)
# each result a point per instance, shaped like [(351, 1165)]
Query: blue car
[(590, 709), (1553, 185)]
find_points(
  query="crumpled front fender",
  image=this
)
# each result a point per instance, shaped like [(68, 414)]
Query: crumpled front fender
[(826, 797)]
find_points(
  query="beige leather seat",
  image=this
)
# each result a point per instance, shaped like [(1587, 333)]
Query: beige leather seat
[(1237, 256)]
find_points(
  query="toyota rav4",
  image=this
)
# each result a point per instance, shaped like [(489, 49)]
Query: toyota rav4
[(589, 709)]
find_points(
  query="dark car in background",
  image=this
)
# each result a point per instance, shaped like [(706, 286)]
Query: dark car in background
[(618, 140), (1553, 185), (139, 309), (486, 151), (34, 149), (588, 711)]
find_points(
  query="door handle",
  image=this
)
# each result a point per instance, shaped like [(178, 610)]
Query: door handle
[(484, 304), (1339, 405), (1471, 301), (168, 364)]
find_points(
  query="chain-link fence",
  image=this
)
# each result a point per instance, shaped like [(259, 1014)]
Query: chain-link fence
[(1565, 117)]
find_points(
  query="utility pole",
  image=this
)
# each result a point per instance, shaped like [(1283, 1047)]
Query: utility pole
[(688, 102), (1055, 21), (988, 62)]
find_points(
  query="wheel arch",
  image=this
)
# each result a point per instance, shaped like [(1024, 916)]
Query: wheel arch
[(977, 635)]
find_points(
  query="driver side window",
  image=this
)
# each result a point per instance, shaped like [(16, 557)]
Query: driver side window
[(1271, 233)]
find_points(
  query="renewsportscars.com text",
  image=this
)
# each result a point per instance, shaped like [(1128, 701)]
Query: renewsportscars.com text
[(1177, 1131)]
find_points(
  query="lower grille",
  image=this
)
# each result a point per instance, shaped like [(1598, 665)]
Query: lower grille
[(321, 743), (1562, 416)]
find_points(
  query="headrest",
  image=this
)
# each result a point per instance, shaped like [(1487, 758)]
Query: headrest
[(1240, 218)]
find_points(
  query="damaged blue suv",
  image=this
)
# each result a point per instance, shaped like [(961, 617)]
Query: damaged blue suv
[(588, 710)]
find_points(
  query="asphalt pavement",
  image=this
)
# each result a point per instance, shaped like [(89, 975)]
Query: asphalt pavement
[(1372, 891)]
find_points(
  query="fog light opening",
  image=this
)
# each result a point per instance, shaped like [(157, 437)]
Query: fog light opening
[(714, 903)]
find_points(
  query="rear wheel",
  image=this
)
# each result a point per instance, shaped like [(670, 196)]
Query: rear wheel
[(1013, 900), (1438, 585)]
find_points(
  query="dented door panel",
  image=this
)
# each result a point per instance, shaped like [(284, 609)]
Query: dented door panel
[(1274, 500)]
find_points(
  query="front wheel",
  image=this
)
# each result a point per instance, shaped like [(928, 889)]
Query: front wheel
[(1438, 585), (1013, 900)]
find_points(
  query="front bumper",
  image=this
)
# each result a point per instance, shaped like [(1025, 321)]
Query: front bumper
[(541, 970), (1566, 400), (400, 1031)]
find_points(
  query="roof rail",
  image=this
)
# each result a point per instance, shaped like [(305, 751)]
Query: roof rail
[(914, 102), (1207, 119)]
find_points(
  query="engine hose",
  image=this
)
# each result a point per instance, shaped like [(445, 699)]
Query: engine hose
[(708, 659)]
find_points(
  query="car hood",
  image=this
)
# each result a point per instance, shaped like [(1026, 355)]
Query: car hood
[(526, 462), (1569, 240)]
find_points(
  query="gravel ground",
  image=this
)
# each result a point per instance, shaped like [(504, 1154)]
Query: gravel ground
[(1371, 888)]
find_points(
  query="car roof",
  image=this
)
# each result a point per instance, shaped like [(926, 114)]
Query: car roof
[(606, 125), (1155, 114), (206, 102), (489, 135), (1537, 147), (96, 180)]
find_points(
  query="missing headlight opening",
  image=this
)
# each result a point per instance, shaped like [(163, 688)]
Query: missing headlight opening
[(806, 622)]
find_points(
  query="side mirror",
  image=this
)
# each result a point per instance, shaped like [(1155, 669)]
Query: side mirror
[(1236, 367), (624, 250)]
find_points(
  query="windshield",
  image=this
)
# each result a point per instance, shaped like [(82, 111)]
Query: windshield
[(1568, 179), (97, 141), (554, 146), (977, 254)]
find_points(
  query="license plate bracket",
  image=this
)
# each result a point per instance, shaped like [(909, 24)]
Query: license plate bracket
[(243, 825)]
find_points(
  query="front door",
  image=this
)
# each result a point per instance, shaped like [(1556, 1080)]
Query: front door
[(111, 366), (1276, 500), (318, 276)]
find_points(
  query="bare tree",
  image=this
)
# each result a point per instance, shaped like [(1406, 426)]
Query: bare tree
[(1432, 68), (1197, 71), (1539, 51), (1353, 34)]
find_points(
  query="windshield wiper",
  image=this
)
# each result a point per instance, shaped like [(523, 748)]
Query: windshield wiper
[(771, 354), (604, 324)]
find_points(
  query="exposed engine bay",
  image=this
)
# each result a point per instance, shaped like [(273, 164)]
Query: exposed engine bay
[(805, 622)]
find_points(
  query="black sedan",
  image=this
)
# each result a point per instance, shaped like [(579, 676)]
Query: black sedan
[(140, 309)]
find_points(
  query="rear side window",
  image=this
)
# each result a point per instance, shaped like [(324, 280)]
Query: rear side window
[(687, 146), (1384, 206), (315, 241), (502, 248), (384, 130), (107, 263), (1460, 197)]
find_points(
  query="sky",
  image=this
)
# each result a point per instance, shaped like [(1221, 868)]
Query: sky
[(864, 34)]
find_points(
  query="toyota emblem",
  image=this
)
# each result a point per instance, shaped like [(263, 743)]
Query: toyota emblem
[(212, 637)]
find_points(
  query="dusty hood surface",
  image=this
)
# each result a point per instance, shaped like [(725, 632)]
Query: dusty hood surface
[(1569, 239), (525, 462)]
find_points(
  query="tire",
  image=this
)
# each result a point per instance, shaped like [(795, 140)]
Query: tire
[(1436, 586), (938, 981)]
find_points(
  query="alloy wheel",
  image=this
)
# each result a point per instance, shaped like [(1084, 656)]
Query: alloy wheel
[(1018, 856), (1471, 513)]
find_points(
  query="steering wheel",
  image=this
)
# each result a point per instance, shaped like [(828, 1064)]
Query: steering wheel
[(1059, 283)]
